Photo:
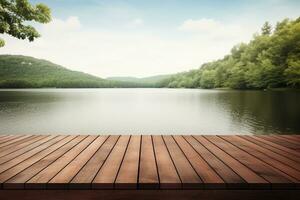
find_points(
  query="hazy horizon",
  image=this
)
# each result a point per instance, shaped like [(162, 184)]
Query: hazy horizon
[(141, 39)]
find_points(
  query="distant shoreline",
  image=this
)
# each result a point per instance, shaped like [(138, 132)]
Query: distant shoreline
[(222, 89)]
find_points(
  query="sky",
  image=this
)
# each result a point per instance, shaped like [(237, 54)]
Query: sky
[(144, 38)]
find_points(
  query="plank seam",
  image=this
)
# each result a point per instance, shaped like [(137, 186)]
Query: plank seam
[(10, 138), (157, 171), (24, 147), (287, 140), (272, 152), (11, 144), (237, 160), (204, 158), (268, 139), (121, 162), (38, 161), (172, 161), (256, 138), (20, 142), (73, 158), (269, 147), (271, 166), (221, 159), (139, 165), (187, 159), (105, 160), (31, 155), (88, 159), (31, 149)]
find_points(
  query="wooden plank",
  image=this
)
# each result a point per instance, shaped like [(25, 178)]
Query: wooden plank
[(261, 168), (40, 180), (52, 146), (262, 149), (5, 138), (5, 166), (187, 174), (267, 157), (209, 177), (291, 137), (253, 179), (278, 146), (86, 175), (17, 181), (272, 148), (10, 137), (27, 151), (148, 162), (168, 175), (233, 180), (15, 144), (148, 177), (13, 141), (108, 172), (5, 151), (279, 141), (62, 179), (289, 140), (127, 177)]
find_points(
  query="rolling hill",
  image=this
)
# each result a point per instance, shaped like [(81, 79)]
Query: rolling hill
[(146, 80), (27, 72)]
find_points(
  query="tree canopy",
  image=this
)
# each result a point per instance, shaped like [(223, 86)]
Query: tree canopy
[(14, 15), (271, 59)]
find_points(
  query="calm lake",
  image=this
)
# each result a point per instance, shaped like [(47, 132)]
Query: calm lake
[(148, 111)]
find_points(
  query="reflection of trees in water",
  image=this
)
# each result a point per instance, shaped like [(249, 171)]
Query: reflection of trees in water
[(263, 112), (23, 102), (38, 110), (222, 111)]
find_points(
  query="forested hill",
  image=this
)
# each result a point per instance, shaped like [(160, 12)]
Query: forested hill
[(28, 72), (271, 59), (152, 80)]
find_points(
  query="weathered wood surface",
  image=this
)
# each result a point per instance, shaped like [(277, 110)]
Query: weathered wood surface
[(29, 162)]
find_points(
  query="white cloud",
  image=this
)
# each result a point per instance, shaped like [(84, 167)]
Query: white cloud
[(206, 25), (71, 23), (138, 22), (122, 53), (216, 30)]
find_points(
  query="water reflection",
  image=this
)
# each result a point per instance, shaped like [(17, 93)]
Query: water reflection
[(264, 112), (148, 111)]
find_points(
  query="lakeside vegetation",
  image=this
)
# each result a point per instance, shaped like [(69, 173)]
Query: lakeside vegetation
[(270, 60), (151, 80)]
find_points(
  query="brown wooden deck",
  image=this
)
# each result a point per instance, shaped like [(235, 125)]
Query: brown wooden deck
[(149, 163)]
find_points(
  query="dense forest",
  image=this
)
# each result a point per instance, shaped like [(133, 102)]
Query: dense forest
[(28, 72), (270, 60)]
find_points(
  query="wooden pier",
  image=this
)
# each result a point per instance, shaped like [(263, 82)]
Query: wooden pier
[(149, 167)]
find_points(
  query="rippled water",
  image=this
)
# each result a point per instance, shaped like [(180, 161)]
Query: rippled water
[(148, 111)]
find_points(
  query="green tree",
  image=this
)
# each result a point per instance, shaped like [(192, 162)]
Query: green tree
[(292, 73), (266, 29), (208, 79), (15, 13), (271, 59)]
